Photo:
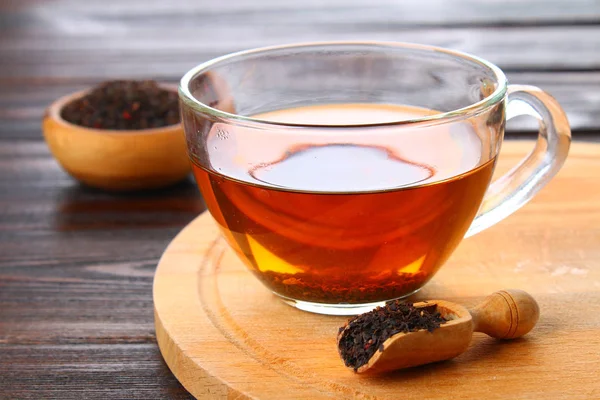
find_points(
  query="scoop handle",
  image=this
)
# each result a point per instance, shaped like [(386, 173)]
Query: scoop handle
[(507, 314)]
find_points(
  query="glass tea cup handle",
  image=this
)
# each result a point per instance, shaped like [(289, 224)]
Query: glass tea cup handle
[(512, 190)]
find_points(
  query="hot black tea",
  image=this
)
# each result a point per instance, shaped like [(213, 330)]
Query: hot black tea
[(350, 223)]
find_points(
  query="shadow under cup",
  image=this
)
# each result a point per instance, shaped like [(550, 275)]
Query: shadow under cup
[(338, 216)]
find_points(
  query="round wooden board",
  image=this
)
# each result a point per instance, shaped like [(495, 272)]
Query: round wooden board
[(225, 336)]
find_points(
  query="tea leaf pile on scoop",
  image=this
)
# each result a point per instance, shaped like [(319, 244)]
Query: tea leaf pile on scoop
[(363, 335)]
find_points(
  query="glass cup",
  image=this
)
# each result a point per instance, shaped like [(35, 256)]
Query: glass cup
[(344, 174)]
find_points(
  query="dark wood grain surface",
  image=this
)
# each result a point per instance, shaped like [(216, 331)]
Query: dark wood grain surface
[(76, 264)]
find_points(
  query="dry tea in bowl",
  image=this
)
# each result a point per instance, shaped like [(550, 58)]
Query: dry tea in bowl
[(120, 135), (124, 105)]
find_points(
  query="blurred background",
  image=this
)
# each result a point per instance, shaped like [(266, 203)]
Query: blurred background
[(54, 47)]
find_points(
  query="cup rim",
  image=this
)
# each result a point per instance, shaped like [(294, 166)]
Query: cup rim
[(465, 112)]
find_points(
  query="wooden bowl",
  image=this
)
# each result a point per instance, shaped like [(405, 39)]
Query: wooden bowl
[(116, 160)]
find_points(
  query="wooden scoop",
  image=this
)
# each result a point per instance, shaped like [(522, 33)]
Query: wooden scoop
[(507, 314)]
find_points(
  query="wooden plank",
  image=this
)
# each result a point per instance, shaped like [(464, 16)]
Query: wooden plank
[(76, 263), (148, 50), (578, 94), (76, 268), (86, 371), (431, 12), (89, 39), (22, 105), (38, 195)]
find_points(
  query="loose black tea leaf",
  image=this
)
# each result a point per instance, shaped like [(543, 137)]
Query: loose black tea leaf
[(323, 288), (365, 334), (124, 105)]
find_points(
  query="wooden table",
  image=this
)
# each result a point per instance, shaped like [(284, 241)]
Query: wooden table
[(76, 264)]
